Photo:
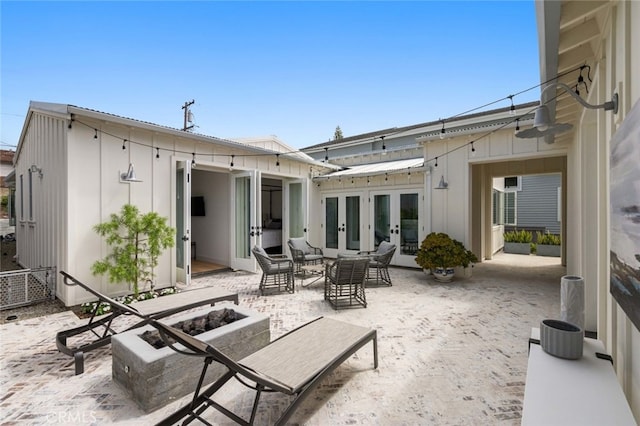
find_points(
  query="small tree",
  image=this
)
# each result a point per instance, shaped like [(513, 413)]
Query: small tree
[(136, 241), (337, 134)]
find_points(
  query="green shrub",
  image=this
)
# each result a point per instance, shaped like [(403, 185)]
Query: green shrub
[(439, 250), (518, 236), (548, 239)]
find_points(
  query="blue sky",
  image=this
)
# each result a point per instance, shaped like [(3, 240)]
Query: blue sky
[(291, 69)]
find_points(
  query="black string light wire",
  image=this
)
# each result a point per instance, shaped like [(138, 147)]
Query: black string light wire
[(581, 80)]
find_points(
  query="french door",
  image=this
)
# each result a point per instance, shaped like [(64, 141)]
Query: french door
[(343, 223), (296, 209), (245, 216), (396, 216), (183, 222)]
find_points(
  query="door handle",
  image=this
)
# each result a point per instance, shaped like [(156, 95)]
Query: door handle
[(185, 238)]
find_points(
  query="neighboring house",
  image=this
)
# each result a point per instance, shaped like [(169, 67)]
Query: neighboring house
[(530, 202), (71, 171), (6, 169)]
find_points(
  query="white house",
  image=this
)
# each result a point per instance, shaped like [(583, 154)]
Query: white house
[(584, 45), (399, 183), (71, 172)]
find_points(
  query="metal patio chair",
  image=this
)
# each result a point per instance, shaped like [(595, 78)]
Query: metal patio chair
[(344, 282), (277, 271), (380, 260)]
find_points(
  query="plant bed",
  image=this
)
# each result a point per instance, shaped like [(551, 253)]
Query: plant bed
[(517, 242), (517, 248), (548, 245)]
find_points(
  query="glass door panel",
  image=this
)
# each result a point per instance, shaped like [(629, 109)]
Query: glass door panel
[(331, 223), (353, 223), (381, 219), (243, 217), (409, 224), (296, 210), (183, 222), (245, 208)]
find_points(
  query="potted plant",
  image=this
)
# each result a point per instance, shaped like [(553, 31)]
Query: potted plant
[(440, 254), (518, 242), (548, 244), (136, 241)]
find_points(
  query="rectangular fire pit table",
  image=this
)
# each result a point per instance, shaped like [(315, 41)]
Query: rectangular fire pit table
[(156, 377)]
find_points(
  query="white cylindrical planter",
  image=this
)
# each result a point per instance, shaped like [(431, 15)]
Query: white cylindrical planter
[(572, 300)]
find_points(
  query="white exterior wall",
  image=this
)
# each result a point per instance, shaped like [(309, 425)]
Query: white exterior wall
[(617, 71), (81, 187), (42, 238), (463, 210)]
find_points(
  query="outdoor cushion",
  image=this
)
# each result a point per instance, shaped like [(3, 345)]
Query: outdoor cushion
[(301, 244)]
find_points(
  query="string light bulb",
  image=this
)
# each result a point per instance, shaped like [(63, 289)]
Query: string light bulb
[(436, 161), (512, 109), (95, 136), (277, 160), (193, 159), (326, 155), (473, 149), (384, 147), (386, 177), (157, 153), (123, 144), (442, 132), (231, 164), (517, 125)]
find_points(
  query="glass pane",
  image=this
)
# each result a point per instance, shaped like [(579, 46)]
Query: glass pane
[(353, 223), (243, 216), (331, 223), (179, 218), (408, 223), (296, 217), (382, 218)]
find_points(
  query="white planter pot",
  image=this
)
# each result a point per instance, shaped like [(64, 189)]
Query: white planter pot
[(444, 275)]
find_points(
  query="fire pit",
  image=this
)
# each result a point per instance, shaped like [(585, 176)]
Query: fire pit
[(156, 377)]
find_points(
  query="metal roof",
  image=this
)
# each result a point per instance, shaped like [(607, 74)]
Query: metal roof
[(372, 169)]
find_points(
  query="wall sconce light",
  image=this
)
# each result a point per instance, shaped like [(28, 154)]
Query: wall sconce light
[(542, 125), (442, 184), (129, 176), (35, 169)]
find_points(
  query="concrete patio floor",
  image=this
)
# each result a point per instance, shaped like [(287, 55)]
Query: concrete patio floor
[(450, 354)]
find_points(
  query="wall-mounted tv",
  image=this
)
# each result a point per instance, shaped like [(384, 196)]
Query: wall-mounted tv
[(197, 206)]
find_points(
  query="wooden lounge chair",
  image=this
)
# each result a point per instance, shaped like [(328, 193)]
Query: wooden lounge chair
[(293, 365), (102, 327)]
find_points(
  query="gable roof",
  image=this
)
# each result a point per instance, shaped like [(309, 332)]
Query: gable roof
[(465, 123), (69, 112)]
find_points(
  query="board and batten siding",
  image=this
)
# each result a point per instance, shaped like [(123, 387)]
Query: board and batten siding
[(42, 230), (537, 202)]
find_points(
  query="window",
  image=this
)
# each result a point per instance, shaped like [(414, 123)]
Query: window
[(30, 195), (21, 197), (510, 208)]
